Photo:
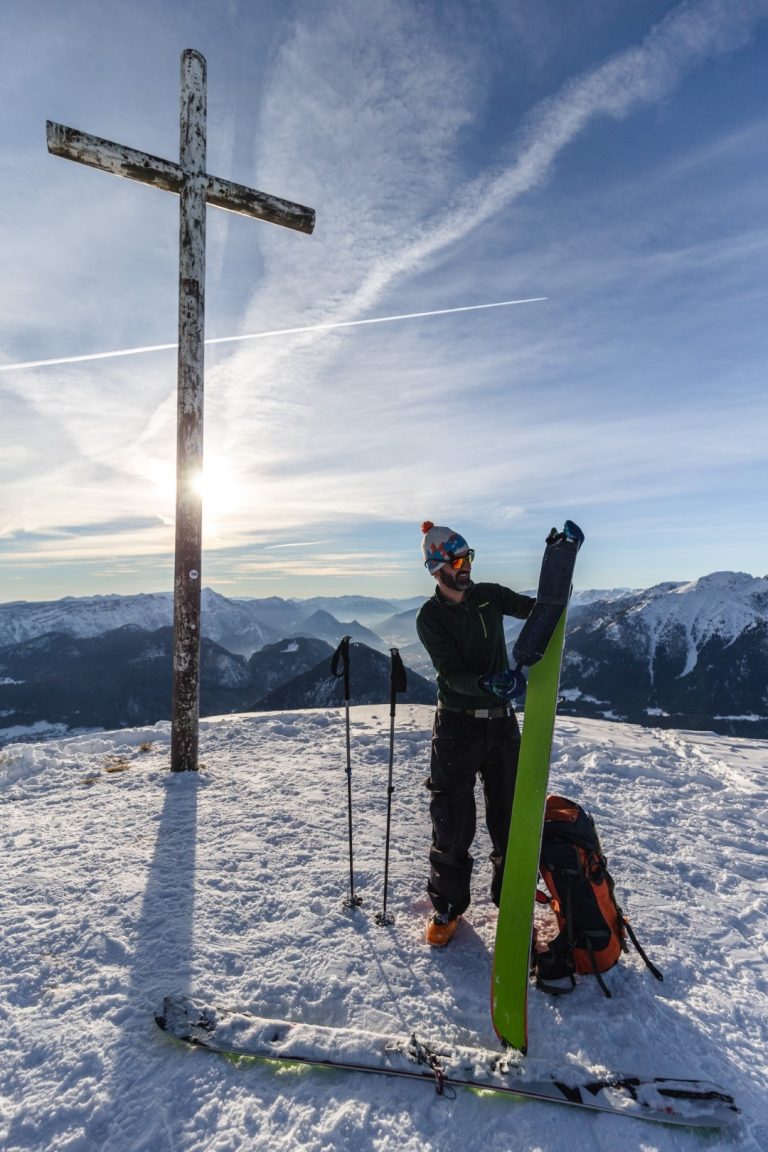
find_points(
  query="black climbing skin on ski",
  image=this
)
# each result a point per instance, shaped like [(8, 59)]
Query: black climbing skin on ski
[(694, 1103), (552, 595)]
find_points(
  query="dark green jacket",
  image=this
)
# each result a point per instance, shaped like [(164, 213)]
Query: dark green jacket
[(465, 641)]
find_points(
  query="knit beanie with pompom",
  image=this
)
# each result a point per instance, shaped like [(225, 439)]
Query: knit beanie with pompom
[(439, 545)]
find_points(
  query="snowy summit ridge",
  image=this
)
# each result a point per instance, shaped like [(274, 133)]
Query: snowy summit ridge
[(121, 882), (722, 604), (684, 654)]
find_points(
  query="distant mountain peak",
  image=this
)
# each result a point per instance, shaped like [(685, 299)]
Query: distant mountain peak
[(693, 653)]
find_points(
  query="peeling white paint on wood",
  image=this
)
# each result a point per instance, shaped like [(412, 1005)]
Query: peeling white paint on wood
[(96, 152)]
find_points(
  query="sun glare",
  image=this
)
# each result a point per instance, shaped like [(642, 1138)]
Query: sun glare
[(217, 485), (219, 488)]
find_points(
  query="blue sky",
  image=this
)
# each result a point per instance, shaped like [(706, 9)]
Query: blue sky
[(610, 156)]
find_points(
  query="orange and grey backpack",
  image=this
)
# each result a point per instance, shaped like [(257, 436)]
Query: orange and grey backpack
[(593, 929)]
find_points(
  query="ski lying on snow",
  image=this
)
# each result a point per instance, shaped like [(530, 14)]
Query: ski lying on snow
[(696, 1103)]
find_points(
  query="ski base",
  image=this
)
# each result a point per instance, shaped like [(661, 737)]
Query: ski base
[(695, 1103), (540, 647)]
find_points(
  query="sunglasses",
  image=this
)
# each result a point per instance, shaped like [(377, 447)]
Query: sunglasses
[(456, 562)]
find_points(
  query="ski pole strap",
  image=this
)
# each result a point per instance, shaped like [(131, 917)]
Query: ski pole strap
[(341, 659), (650, 966)]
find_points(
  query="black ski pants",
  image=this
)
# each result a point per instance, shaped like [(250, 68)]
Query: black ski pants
[(463, 748)]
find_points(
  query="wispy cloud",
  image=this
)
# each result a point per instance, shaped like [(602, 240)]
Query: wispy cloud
[(378, 115), (639, 76), (377, 231), (101, 528)]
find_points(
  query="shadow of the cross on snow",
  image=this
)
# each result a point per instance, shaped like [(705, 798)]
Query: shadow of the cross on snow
[(161, 957), (162, 952)]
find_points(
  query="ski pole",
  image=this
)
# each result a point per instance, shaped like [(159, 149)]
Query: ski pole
[(397, 683), (341, 657)]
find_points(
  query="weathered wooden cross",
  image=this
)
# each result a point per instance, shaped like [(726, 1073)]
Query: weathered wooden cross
[(195, 187)]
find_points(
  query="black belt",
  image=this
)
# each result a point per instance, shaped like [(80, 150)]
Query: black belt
[(478, 713)]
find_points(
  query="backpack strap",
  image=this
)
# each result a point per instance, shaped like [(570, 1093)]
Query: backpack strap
[(591, 952), (651, 967), (555, 986)]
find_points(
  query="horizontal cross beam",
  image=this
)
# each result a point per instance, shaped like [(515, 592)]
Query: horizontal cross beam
[(134, 165)]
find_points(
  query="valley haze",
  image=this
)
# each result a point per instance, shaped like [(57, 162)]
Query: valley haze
[(690, 655)]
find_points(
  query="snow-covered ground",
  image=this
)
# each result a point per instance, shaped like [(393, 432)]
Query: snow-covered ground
[(120, 882)]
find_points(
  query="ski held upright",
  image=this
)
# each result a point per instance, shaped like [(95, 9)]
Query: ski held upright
[(540, 648)]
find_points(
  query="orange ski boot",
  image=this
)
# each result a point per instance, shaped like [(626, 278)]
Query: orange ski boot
[(440, 929)]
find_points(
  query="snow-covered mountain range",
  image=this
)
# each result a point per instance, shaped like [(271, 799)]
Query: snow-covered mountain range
[(240, 626), (686, 655), (724, 605)]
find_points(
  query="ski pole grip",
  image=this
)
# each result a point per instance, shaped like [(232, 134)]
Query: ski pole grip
[(398, 678), (341, 658)]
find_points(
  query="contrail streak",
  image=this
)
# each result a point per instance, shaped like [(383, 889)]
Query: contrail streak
[(264, 335)]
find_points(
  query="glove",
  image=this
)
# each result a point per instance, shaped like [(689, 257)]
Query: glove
[(571, 532), (505, 684)]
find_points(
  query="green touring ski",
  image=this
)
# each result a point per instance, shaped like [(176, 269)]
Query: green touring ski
[(693, 1103), (539, 647)]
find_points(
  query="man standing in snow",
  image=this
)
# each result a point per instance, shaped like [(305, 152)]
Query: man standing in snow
[(475, 730)]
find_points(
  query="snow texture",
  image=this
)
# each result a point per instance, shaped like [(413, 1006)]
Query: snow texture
[(121, 882)]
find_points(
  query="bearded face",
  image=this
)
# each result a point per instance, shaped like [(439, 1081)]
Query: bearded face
[(459, 580)]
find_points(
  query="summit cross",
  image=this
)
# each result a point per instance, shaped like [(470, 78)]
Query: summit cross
[(195, 188)]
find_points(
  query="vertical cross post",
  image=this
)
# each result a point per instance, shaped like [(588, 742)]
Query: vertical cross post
[(195, 189), (187, 582)]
